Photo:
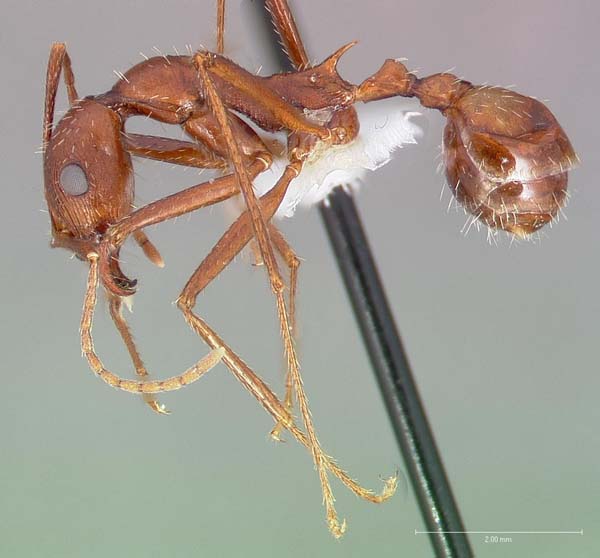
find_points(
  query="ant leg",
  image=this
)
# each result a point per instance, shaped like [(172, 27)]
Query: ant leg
[(262, 237), (238, 235), (176, 152), (193, 198), (235, 238), (58, 61), (167, 150), (150, 251), (115, 305), (172, 151), (285, 25), (243, 178), (283, 21), (293, 263), (220, 26), (188, 200), (131, 386), (269, 401)]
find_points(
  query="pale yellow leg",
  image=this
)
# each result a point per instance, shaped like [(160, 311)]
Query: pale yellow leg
[(131, 386)]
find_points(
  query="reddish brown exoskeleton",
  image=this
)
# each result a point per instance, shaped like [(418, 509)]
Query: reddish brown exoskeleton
[(506, 159)]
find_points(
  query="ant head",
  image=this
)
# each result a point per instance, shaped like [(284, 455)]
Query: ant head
[(507, 159), (88, 176)]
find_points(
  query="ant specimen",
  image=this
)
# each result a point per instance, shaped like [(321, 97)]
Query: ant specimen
[(506, 159)]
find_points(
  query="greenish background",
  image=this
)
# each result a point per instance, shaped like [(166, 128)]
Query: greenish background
[(504, 339)]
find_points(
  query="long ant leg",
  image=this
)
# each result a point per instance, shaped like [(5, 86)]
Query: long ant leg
[(233, 241), (269, 401), (277, 286), (284, 23), (149, 146), (166, 150), (195, 197), (207, 193), (220, 26), (188, 200), (58, 62), (115, 306), (293, 263), (286, 26), (142, 387), (289, 117), (176, 152), (237, 236)]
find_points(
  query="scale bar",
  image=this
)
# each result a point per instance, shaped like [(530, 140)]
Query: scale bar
[(580, 532)]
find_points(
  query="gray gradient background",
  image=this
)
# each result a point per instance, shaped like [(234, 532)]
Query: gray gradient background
[(504, 340)]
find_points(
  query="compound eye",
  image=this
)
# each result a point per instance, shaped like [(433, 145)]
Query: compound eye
[(73, 180)]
